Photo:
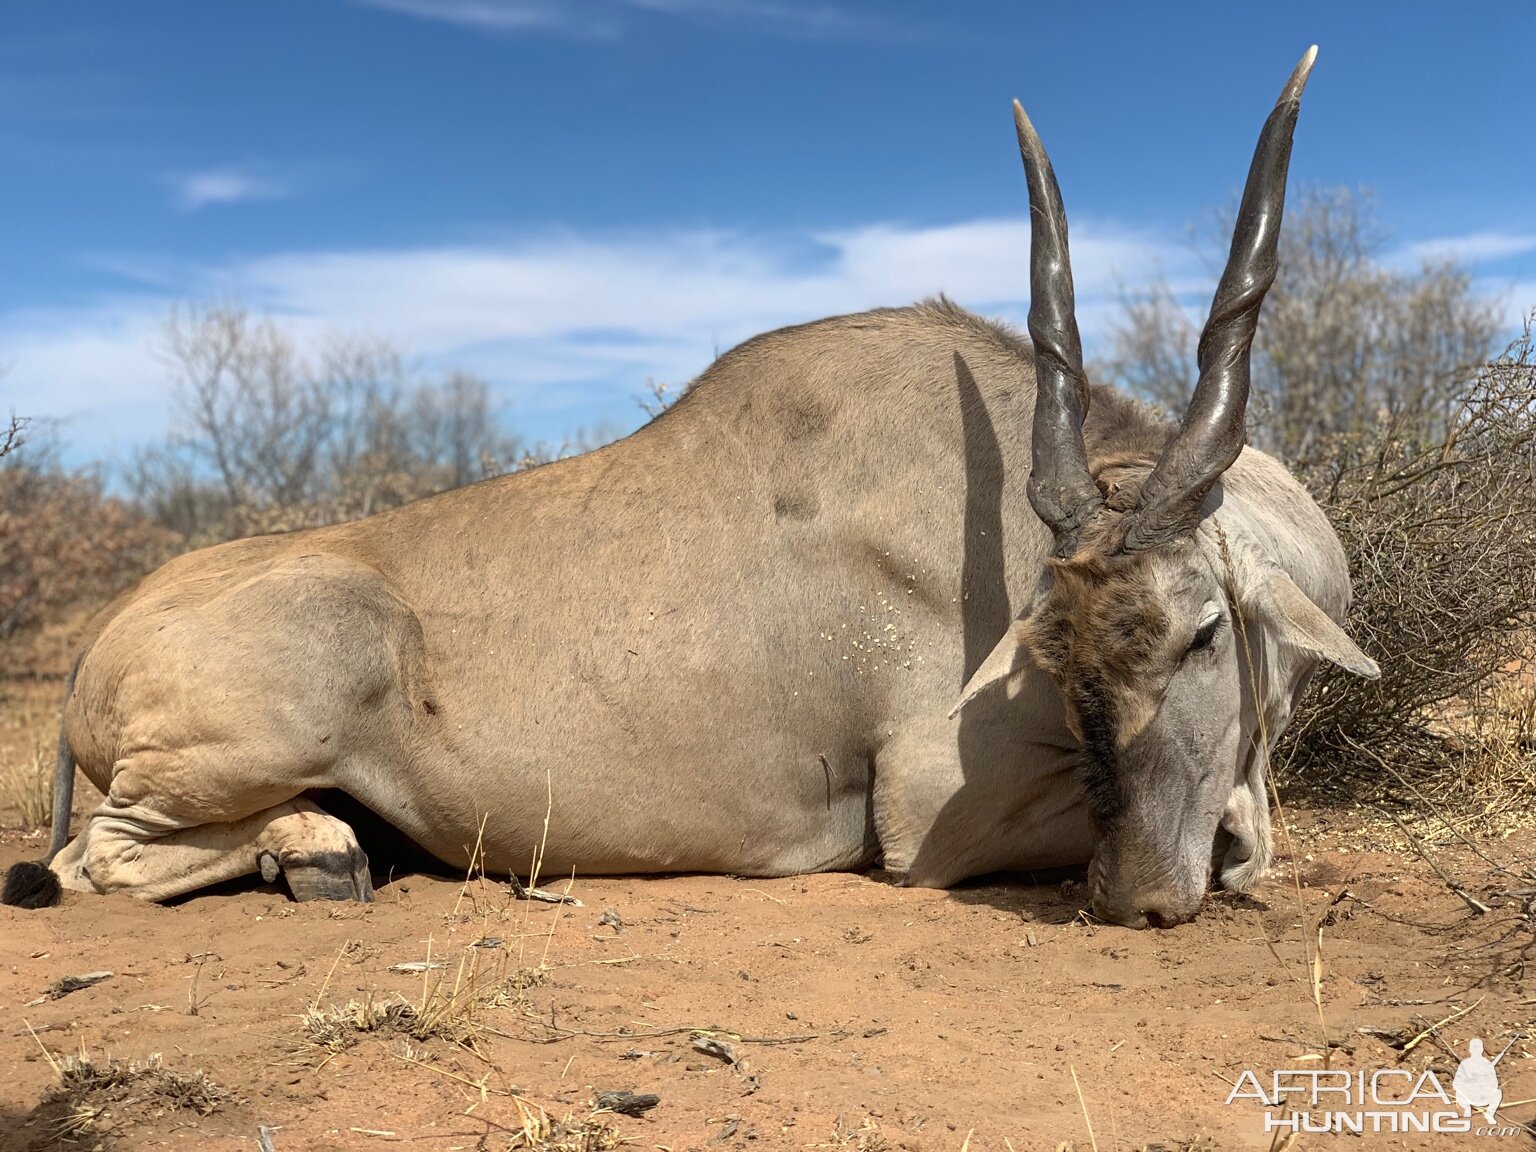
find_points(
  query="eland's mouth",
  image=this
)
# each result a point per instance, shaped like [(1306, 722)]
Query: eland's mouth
[(1147, 905), (1141, 912)]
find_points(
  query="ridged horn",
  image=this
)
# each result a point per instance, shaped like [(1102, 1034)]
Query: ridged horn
[(1212, 432), (1061, 491)]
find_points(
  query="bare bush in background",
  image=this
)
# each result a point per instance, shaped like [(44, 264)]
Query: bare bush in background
[(10, 435), (1346, 343), (269, 438), (64, 542), (1441, 536)]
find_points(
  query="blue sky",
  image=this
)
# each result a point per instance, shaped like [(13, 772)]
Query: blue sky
[(567, 196)]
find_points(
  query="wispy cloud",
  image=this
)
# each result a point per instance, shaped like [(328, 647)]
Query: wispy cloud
[(215, 186), (803, 19), (1498, 261), (1472, 248), (606, 17), (486, 15), (565, 327)]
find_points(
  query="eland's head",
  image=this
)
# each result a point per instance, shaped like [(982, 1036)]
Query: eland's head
[(1144, 615)]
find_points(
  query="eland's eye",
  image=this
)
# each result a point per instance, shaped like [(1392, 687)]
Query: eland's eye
[(1206, 634)]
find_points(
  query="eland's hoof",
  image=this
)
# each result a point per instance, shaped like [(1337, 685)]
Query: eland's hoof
[(325, 876)]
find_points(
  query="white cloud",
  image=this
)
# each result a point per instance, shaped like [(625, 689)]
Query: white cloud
[(489, 15), (93, 370), (1501, 276), (798, 18), (1513, 299), (224, 186), (567, 327), (1472, 248), (605, 17)]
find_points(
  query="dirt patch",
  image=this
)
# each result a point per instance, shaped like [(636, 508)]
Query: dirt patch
[(832, 1011)]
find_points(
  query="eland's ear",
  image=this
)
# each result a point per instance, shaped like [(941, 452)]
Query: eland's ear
[(1007, 658), (1304, 625)]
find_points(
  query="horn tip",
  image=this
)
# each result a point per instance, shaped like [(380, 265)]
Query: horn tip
[(1029, 139), (1299, 77)]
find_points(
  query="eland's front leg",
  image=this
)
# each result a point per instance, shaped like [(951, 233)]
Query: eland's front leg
[(154, 856)]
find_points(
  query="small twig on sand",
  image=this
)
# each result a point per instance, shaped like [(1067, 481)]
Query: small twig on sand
[(264, 1138), (197, 974), (703, 1031), (47, 1055), (1470, 900), (524, 892), (626, 1103), (1083, 1104), (479, 1086), (1433, 1028), (326, 983)]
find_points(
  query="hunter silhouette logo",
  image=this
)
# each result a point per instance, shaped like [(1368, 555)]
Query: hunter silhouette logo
[(1476, 1082)]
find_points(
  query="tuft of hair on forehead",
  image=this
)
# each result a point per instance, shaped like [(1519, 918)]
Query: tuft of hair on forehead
[(1103, 613)]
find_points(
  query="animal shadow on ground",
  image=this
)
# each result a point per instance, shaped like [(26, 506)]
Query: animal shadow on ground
[(1043, 896)]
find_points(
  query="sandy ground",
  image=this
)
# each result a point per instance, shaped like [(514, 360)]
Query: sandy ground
[(861, 1015)]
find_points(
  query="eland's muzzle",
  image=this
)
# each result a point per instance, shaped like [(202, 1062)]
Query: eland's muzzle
[(1144, 908)]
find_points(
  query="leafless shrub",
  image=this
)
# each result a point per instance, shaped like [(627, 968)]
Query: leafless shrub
[(64, 542), (11, 435), (1441, 535), (270, 439)]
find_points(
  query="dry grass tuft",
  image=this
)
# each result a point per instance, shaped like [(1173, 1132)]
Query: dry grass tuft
[(341, 1026), (867, 1137), (538, 1131), (26, 784), (449, 1010), (88, 1092)]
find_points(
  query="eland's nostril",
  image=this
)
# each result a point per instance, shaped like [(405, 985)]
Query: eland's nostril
[(1125, 915), (1168, 917), (1142, 910)]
